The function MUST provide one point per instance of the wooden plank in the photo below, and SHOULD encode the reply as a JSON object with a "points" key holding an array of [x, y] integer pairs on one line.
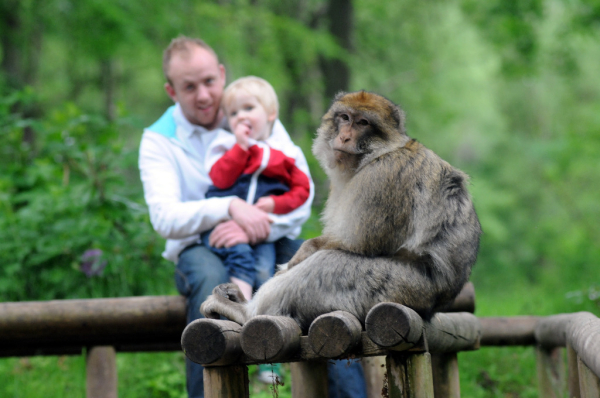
{"points": [[589, 384], [309, 379], [374, 370], [572, 373], [101, 372], [550, 372], [409, 376], [446, 381], [226, 382], [508, 331], [65, 326], [465, 301]]}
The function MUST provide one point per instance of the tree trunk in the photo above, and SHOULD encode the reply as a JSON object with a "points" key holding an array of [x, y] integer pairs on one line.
{"points": [[340, 16]]}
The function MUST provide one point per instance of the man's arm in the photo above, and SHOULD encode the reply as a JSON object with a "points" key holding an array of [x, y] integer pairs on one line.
{"points": [[161, 176]]}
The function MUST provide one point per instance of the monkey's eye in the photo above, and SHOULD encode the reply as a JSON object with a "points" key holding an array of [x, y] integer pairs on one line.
{"points": [[345, 117], [363, 122]]}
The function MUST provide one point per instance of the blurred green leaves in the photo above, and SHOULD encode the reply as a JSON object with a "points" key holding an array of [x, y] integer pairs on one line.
{"points": [[63, 194]]}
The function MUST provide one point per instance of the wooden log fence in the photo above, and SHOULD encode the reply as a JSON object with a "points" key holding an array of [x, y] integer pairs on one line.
{"points": [[391, 329], [424, 358]]}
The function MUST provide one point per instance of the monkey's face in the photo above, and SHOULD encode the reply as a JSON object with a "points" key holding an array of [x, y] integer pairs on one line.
{"points": [[354, 133], [358, 127]]}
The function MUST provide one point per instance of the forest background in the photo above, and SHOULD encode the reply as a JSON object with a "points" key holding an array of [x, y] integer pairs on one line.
{"points": [[507, 90]]}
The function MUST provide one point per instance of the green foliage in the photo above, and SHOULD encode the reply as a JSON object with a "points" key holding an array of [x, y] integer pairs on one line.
{"points": [[508, 91], [64, 193]]}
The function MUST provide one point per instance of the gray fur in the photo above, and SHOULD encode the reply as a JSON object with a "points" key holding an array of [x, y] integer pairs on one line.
{"points": [[399, 226]]}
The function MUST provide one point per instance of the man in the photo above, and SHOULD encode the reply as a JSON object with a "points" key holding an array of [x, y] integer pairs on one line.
{"points": [[175, 179]]}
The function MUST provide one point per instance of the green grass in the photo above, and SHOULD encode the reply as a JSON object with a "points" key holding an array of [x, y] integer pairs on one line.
{"points": [[148, 375]]}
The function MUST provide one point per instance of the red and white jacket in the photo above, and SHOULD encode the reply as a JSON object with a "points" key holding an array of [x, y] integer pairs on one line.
{"points": [[260, 171]]}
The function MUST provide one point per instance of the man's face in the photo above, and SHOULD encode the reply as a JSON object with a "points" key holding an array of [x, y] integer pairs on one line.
{"points": [[197, 85]]}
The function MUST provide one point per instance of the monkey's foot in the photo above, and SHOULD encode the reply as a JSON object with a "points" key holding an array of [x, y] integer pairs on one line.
{"points": [[227, 300], [230, 291]]}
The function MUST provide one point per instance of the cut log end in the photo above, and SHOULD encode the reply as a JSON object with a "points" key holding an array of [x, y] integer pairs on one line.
{"points": [[334, 334], [212, 342], [268, 338], [391, 324]]}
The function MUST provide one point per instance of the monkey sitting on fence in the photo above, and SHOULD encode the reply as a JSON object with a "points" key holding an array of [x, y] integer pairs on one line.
{"points": [[399, 225]]}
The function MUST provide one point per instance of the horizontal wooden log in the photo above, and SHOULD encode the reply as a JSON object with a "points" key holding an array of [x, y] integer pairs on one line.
{"points": [[508, 331], [452, 332], [270, 338], [63, 327], [551, 331], [395, 326], [212, 342], [583, 334], [465, 301], [334, 334], [580, 330]]}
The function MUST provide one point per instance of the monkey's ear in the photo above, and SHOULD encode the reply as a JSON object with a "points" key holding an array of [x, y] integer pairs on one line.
{"points": [[339, 95], [399, 118]]}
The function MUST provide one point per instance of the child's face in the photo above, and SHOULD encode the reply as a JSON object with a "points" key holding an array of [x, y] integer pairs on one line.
{"points": [[247, 111]]}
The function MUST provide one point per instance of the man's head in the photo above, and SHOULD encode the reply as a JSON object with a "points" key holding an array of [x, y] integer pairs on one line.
{"points": [[195, 79], [252, 101]]}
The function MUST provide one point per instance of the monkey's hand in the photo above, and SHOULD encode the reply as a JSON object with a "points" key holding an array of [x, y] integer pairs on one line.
{"points": [[227, 300], [307, 249]]}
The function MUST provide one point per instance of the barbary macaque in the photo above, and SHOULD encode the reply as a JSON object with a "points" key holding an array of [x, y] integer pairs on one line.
{"points": [[399, 225]]}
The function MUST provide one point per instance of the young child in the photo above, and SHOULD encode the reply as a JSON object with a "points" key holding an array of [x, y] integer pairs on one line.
{"points": [[255, 167]]}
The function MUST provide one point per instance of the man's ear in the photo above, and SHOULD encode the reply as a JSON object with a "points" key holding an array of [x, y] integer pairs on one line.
{"points": [[170, 91]]}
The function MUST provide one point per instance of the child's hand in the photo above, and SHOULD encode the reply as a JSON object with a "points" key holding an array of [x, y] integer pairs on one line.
{"points": [[266, 204], [242, 132]]}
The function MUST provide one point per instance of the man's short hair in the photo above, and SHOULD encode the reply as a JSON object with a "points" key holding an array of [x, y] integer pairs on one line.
{"points": [[255, 87], [182, 44]]}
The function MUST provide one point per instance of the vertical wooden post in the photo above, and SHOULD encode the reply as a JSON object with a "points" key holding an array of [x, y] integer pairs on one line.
{"points": [[409, 376], [551, 372], [101, 372], [226, 382], [572, 373], [589, 384], [446, 382], [374, 370], [309, 379]]}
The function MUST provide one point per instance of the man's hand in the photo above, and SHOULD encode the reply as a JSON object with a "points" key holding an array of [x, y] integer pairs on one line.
{"points": [[266, 204], [227, 234], [255, 222]]}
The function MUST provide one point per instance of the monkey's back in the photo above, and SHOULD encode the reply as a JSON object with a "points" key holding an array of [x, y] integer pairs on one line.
{"points": [[411, 205]]}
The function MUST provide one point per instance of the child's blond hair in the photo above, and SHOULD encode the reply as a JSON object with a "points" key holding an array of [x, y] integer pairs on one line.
{"points": [[256, 87]]}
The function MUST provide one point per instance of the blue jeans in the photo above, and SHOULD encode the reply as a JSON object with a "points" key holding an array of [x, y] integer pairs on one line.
{"points": [[252, 264], [199, 270]]}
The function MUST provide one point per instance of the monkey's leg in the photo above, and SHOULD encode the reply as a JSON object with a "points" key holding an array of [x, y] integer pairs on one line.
{"points": [[310, 247]]}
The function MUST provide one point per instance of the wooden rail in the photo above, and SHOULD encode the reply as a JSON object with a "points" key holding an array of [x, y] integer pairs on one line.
{"points": [[103, 327], [578, 333], [225, 348]]}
